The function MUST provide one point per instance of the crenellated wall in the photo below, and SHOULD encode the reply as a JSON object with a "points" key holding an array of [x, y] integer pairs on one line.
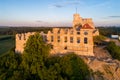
{"points": [[21, 40]]}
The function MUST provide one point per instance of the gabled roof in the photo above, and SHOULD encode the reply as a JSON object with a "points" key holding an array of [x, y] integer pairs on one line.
{"points": [[86, 26]]}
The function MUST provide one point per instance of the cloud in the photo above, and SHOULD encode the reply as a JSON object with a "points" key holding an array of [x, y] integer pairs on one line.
{"points": [[72, 3], [113, 16], [79, 2], [39, 21], [58, 6], [66, 3]]}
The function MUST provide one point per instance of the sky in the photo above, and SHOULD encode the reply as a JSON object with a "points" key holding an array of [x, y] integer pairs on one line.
{"points": [[58, 12]]}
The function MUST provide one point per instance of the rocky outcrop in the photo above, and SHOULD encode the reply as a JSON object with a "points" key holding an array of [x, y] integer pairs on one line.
{"points": [[101, 52], [103, 69]]}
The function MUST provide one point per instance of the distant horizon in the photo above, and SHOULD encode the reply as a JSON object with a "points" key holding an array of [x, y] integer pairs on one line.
{"points": [[58, 13], [56, 26]]}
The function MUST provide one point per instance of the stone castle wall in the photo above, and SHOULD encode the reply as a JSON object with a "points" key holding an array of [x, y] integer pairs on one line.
{"points": [[77, 39], [77, 45], [21, 40]]}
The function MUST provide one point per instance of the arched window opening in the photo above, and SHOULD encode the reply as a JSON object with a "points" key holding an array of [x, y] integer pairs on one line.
{"points": [[85, 40], [66, 31], [71, 39], [24, 37], [58, 38], [19, 36], [78, 39], [65, 39], [51, 38], [78, 33], [65, 48], [58, 31]]}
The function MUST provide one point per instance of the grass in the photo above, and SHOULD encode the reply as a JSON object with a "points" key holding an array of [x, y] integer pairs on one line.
{"points": [[7, 42]]}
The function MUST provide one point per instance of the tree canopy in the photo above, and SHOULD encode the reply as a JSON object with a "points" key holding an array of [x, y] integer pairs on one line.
{"points": [[114, 50], [36, 64]]}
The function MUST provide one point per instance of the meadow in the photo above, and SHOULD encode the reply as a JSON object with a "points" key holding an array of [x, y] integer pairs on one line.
{"points": [[7, 42]]}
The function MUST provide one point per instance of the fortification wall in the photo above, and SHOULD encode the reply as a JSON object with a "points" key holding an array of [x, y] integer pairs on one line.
{"points": [[21, 40], [77, 39], [61, 45]]}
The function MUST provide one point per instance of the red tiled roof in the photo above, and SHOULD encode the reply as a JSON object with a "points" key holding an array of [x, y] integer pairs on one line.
{"points": [[86, 26]]}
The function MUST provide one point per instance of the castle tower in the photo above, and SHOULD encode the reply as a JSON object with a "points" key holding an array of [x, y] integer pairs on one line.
{"points": [[77, 20]]}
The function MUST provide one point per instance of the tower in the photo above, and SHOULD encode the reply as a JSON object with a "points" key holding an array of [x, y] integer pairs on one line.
{"points": [[77, 21]]}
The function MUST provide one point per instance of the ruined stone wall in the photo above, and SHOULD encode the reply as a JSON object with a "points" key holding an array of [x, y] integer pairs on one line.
{"points": [[77, 40], [21, 40], [61, 45]]}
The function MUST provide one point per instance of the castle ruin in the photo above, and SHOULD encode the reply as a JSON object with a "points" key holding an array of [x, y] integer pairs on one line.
{"points": [[77, 39]]}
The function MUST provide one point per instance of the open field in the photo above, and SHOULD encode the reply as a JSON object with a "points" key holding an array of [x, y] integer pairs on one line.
{"points": [[7, 42]]}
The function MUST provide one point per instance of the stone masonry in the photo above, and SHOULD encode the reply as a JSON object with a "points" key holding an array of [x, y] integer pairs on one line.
{"points": [[77, 39]]}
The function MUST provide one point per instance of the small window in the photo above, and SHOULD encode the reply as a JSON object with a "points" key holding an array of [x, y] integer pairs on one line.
{"points": [[71, 39], [78, 39], [78, 28], [58, 31], [51, 38], [65, 39], [85, 40], [58, 38], [51, 46], [19, 36], [85, 33], [78, 33], [65, 48]]}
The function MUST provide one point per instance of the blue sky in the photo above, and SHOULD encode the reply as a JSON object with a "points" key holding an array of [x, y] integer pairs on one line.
{"points": [[58, 12]]}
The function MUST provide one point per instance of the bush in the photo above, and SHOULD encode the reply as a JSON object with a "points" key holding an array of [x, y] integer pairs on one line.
{"points": [[114, 50], [99, 39]]}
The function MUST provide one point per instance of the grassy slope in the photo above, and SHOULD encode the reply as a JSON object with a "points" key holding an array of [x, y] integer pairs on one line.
{"points": [[6, 44]]}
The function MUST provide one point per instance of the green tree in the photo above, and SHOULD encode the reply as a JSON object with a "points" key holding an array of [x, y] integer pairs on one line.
{"points": [[67, 67], [99, 39], [34, 56], [9, 64], [73, 67], [114, 50], [54, 68]]}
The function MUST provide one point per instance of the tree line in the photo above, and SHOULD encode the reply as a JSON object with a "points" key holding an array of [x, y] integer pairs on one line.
{"points": [[14, 30], [106, 31]]}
